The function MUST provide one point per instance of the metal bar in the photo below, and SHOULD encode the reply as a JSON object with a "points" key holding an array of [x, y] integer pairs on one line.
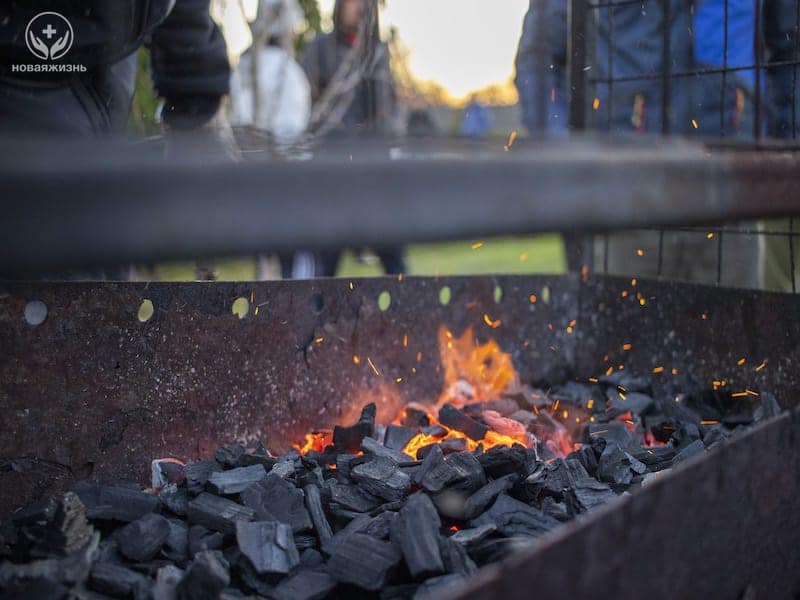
{"points": [[116, 210], [759, 51], [723, 93], [723, 525], [693, 72], [666, 62], [577, 16]]}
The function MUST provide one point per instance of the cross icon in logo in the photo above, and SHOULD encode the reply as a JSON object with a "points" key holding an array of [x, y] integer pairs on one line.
{"points": [[49, 31]]}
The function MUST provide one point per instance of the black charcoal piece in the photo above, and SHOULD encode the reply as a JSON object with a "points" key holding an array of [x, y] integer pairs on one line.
{"points": [[283, 468], [620, 402], [235, 481], [451, 417], [166, 585], [398, 436], [314, 506], [117, 503], [473, 535], [586, 494], [414, 418], [218, 514], [354, 498], [514, 518], [436, 431], [269, 546], [118, 581], [693, 449], [176, 546], [174, 498], [275, 499], [554, 479], [627, 382], [205, 578], [613, 432], [229, 456], [587, 457], [364, 561], [480, 500], [460, 471], [432, 459], [525, 417], [656, 458], [345, 462], [502, 460], [55, 526], [166, 471], [349, 438], [557, 510], [416, 532], [201, 539], [304, 541], [684, 435], [141, 539], [372, 447], [617, 467], [382, 477], [767, 408], [436, 587], [455, 557], [197, 475], [306, 584]]}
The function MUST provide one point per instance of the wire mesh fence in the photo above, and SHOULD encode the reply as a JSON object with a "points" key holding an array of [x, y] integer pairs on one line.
{"points": [[724, 71]]}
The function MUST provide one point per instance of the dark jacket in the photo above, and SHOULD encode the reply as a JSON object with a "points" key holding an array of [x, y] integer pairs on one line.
{"points": [[189, 60], [783, 83], [373, 106], [541, 67]]}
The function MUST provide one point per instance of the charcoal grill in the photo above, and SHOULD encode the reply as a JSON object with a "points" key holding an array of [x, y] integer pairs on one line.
{"points": [[93, 387]]}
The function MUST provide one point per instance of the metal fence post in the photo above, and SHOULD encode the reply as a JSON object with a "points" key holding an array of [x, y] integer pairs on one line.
{"points": [[577, 61]]}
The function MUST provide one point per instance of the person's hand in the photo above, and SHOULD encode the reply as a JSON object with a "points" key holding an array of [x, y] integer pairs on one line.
{"points": [[191, 132]]}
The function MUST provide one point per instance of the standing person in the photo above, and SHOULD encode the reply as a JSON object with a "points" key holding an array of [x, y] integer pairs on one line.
{"points": [[477, 120], [541, 68], [68, 67], [372, 108]]}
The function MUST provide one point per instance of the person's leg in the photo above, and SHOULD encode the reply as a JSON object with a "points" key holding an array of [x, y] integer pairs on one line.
{"points": [[393, 259], [327, 262]]}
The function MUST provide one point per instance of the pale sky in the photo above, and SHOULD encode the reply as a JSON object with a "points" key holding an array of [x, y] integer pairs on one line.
{"points": [[462, 44]]}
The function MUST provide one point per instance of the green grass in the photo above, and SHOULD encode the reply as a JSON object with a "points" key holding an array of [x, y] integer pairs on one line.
{"points": [[540, 254]]}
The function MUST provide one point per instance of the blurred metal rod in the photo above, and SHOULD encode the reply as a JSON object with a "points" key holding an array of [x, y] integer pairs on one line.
{"points": [[91, 213]]}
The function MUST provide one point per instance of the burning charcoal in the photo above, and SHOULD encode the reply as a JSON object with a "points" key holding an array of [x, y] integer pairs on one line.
{"points": [[218, 514], [626, 381], [314, 506], [235, 481], [142, 539], [473, 535], [259, 456], [514, 518], [205, 578], [57, 525], [618, 467], [274, 499], [586, 494], [416, 532], [165, 471], [117, 503], [349, 438], [352, 497], [480, 500], [436, 431], [383, 478], [229, 456], [613, 432], [306, 584], [693, 449], [451, 417], [525, 417], [449, 446], [397, 436], [370, 446], [176, 546], [201, 539], [364, 561], [436, 587], [656, 458], [269, 546], [622, 402], [197, 475], [414, 418], [502, 460], [455, 558], [118, 581], [174, 498], [767, 408], [284, 468], [433, 458]]}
